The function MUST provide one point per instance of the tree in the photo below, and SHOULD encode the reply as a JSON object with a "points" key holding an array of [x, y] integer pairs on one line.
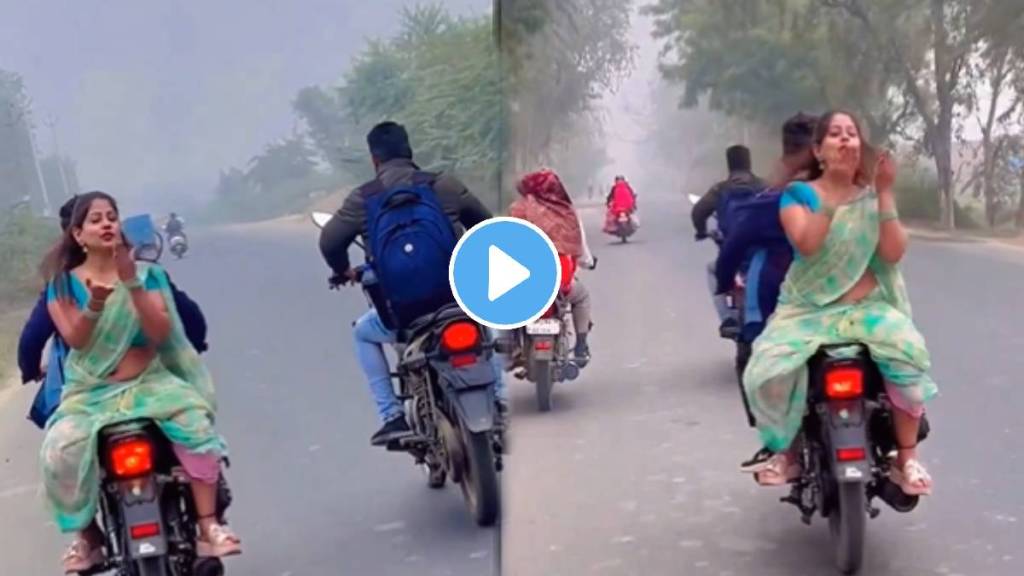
{"points": [[558, 58], [438, 76], [901, 63], [19, 174], [281, 162]]}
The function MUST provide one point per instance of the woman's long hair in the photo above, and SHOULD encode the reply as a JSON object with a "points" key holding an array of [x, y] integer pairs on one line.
{"points": [[66, 254]]}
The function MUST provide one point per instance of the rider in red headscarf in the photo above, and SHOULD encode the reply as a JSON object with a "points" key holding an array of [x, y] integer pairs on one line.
{"points": [[545, 203]]}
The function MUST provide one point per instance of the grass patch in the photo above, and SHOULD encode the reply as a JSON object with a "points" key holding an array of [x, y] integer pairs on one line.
{"points": [[24, 240]]}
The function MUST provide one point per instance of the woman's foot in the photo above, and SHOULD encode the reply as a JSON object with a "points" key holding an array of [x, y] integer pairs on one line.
{"points": [[757, 462], [82, 556], [912, 477], [779, 470], [217, 541]]}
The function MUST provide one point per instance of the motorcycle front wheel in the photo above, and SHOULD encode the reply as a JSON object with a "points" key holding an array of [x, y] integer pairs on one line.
{"points": [[480, 481], [847, 522]]}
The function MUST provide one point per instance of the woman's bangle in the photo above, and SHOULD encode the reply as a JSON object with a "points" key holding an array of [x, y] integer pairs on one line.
{"points": [[887, 215], [132, 284]]}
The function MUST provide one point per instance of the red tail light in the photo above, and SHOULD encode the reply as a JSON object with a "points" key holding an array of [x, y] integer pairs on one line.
{"points": [[850, 454], [463, 360], [844, 383], [132, 458], [543, 345], [143, 531], [460, 336]]}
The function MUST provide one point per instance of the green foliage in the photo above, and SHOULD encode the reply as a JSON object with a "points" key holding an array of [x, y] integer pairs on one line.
{"points": [[438, 76], [24, 240], [915, 192], [18, 177]]}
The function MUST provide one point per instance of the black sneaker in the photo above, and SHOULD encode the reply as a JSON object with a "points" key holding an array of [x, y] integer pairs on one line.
{"points": [[757, 463], [581, 356], [730, 329], [395, 429]]}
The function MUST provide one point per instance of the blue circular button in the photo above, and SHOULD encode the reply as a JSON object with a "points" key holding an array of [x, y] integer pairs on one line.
{"points": [[505, 273]]}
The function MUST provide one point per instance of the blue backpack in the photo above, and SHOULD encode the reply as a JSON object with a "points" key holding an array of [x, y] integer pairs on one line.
{"points": [[727, 202], [411, 240]]}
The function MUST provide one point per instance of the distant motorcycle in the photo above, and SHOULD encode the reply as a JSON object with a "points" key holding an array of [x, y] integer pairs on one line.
{"points": [[447, 382], [178, 244], [847, 450], [621, 224]]}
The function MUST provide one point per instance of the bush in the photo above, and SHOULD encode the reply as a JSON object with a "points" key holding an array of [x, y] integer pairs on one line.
{"points": [[24, 240], [917, 193]]}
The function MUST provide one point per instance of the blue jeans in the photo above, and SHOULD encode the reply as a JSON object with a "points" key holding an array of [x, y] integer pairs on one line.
{"points": [[370, 336], [720, 301]]}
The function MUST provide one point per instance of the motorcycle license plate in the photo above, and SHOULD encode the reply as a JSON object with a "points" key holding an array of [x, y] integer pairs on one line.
{"points": [[544, 327]]}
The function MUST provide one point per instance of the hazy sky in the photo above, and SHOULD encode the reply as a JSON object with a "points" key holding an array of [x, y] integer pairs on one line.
{"points": [[156, 96]]}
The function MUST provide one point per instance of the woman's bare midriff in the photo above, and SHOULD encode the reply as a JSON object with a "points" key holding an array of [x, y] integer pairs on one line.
{"points": [[861, 290], [134, 363]]}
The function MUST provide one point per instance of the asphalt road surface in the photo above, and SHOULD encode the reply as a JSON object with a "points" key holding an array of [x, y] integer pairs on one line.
{"points": [[635, 471], [312, 497]]}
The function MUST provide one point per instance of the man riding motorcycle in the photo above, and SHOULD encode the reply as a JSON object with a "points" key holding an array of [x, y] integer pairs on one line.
{"points": [[757, 247], [742, 182], [175, 226], [392, 158]]}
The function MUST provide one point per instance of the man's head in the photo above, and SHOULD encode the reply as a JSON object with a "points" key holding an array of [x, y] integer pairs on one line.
{"points": [[388, 141], [65, 213], [174, 216], [798, 133], [620, 178], [737, 158]]}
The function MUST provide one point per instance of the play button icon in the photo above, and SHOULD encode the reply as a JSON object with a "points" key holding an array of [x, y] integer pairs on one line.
{"points": [[504, 273]]}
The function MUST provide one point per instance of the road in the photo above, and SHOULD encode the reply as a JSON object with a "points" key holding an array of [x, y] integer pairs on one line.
{"points": [[635, 470], [312, 497]]}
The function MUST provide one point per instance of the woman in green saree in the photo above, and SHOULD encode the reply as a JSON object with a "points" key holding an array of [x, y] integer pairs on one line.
{"points": [[130, 359], [844, 286]]}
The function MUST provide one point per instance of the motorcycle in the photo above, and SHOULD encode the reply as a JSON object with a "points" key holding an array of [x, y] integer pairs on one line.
{"points": [[541, 351], [621, 224], [447, 383], [847, 448], [178, 244], [146, 506]]}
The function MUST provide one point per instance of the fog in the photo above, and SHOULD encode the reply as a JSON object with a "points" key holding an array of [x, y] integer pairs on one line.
{"points": [[152, 99]]}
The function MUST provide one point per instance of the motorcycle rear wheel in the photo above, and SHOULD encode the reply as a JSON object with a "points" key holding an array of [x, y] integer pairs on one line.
{"points": [[480, 481], [543, 380], [847, 522]]}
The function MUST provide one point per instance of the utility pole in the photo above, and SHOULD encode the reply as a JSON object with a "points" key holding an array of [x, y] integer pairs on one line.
{"points": [[39, 171], [51, 121]]}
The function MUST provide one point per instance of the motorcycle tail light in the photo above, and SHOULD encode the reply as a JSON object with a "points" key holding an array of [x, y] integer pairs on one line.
{"points": [[460, 336], [844, 383], [143, 531], [463, 360], [851, 454], [543, 345], [131, 458]]}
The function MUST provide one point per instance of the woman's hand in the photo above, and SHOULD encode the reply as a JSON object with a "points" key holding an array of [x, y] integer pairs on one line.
{"points": [[885, 173], [124, 259], [98, 292]]}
